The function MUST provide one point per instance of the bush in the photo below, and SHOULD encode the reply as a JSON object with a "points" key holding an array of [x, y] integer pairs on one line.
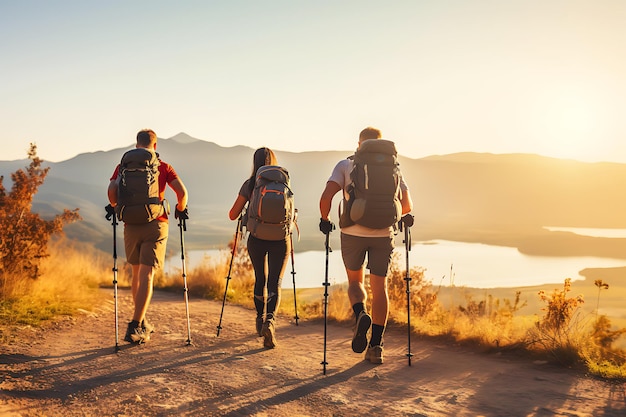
{"points": [[24, 235], [558, 332], [423, 300]]}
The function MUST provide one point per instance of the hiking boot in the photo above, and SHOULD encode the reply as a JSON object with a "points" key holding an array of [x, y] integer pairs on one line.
{"points": [[359, 340], [268, 333], [374, 354], [147, 327], [259, 326], [135, 334]]}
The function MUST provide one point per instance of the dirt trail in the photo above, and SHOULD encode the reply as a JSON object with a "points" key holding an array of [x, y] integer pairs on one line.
{"points": [[71, 369]]}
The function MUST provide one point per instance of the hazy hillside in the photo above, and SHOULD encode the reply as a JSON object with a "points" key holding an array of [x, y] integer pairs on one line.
{"points": [[497, 199]]}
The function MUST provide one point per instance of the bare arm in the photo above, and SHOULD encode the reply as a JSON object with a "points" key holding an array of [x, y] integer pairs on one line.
{"points": [[181, 193], [237, 207], [112, 192], [406, 201], [326, 199]]}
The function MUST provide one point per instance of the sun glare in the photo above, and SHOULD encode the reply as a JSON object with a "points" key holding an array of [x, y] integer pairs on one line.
{"points": [[569, 126]]}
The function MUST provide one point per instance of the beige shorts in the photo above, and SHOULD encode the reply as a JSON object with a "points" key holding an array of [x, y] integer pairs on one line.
{"points": [[145, 244], [378, 251]]}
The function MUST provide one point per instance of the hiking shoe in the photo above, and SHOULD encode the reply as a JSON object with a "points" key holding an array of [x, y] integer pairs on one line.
{"points": [[135, 334], [374, 354], [359, 340], [268, 333], [147, 327], [259, 326], [145, 335]]}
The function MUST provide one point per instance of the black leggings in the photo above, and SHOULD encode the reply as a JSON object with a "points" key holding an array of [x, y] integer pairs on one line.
{"points": [[276, 252]]}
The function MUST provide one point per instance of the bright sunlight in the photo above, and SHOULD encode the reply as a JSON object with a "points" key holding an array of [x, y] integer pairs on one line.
{"points": [[569, 122]]}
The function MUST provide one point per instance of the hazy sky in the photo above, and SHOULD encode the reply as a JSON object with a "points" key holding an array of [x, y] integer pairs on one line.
{"points": [[437, 76]]}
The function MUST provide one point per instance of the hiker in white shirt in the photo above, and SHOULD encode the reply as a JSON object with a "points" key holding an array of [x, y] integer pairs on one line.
{"points": [[357, 241]]}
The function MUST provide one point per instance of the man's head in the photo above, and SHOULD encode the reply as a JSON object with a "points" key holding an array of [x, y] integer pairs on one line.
{"points": [[146, 138], [369, 133]]}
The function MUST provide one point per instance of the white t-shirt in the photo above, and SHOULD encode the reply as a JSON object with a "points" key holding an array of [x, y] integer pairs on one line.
{"points": [[341, 176]]}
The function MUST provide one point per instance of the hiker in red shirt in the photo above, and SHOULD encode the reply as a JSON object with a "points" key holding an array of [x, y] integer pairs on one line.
{"points": [[145, 221]]}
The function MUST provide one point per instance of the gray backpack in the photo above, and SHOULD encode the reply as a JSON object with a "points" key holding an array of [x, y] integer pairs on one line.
{"points": [[138, 199], [374, 194], [271, 208]]}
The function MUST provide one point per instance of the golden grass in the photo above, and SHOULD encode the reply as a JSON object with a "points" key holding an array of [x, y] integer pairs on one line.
{"points": [[494, 319], [490, 319], [210, 278], [70, 278]]}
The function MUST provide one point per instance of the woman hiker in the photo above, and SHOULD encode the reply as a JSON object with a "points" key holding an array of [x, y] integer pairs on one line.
{"points": [[269, 241]]}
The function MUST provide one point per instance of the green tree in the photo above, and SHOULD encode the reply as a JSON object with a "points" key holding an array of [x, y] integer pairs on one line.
{"points": [[24, 235]]}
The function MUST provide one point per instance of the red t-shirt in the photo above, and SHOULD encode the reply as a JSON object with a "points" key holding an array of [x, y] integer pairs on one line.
{"points": [[167, 174]]}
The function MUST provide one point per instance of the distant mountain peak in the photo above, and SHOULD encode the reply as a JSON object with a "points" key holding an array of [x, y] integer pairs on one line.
{"points": [[183, 138]]}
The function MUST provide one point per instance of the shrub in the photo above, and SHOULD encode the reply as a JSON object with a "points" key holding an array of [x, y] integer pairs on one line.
{"points": [[557, 332], [560, 308], [423, 298], [24, 235]]}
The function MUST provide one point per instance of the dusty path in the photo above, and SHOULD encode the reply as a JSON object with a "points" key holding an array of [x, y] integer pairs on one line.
{"points": [[72, 370]]}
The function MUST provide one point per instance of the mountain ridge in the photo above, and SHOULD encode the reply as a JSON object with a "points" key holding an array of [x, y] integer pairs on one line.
{"points": [[502, 199]]}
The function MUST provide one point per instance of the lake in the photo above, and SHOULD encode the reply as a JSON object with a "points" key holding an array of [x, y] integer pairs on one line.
{"points": [[446, 263]]}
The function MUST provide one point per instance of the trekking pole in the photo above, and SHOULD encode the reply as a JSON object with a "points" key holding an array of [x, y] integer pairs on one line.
{"points": [[182, 225], [293, 276], [326, 284], [230, 268], [111, 216], [407, 222]]}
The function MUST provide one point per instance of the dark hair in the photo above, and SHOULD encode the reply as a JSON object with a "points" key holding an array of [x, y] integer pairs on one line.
{"points": [[262, 156], [146, 137]]}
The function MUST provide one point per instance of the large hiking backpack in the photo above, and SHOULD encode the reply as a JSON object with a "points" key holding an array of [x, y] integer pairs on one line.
{"points": [[271, 207], [138, 199], [374, 194]]}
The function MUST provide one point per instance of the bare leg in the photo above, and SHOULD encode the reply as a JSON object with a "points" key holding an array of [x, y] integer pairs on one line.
{"points": [[134, 286], [142, 290], [380, 300], [356, 286]]}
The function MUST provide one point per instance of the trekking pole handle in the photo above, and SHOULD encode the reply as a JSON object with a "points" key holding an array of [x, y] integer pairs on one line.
{"points": [[110, 210], [182, 215], [326, 226], [407, 220]]}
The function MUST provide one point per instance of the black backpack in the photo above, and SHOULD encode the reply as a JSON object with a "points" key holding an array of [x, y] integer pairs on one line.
{"points": [[138, 199], [374, 194], [271, 208]]}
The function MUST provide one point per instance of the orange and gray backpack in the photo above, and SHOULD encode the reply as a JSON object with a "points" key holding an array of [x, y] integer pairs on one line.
{"points": [[374, 194], [138, 199], [271, 208]]}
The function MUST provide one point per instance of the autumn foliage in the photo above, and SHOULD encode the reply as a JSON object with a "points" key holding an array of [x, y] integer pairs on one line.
{"points": [[24, 235]]}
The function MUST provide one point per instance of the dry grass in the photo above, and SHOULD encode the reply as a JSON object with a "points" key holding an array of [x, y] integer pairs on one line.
{"points": [[556, 328], [210, 278], [551, 325], [70, 278]]}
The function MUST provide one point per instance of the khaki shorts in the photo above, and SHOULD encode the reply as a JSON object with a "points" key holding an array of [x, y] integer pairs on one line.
{"points": [[145, 243], [378, 250]]}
